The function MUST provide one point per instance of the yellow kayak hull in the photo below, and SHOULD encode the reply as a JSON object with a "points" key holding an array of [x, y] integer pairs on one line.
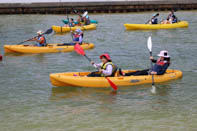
{"points": [[62, 29], [181, 24], [50, 48], [79, 79]]}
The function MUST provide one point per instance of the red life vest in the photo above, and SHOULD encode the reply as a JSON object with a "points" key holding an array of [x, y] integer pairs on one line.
{"points": [[159, 62], [77, 35], [43, 40]]}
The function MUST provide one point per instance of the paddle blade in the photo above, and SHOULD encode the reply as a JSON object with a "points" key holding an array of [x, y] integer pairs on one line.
{"points": [[79, 50], [149, 44], [153, 90], [84, 14], [49, 31], [112, 84]]}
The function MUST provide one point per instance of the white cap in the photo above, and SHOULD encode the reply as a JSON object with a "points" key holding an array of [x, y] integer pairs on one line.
{"points": [[40, 32], [164, 53]]}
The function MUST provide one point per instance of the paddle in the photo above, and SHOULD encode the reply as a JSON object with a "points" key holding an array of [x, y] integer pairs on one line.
{"points": [[84, 14], [69, 24], [49, 31], [80, 51], [149, 44], [152, 18]]}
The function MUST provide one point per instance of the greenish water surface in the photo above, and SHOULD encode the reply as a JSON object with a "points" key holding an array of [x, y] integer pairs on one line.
{"points": [[28, 101]]}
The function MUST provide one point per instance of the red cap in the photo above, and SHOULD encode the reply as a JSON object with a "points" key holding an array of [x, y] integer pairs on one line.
{"points": [[106, 55]]}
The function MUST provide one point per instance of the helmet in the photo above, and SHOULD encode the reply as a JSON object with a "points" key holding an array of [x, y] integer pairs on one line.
{"points": [[106, 56]]}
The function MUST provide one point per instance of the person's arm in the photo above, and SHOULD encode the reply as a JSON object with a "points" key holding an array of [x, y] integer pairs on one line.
{"points": [[96, 65], [80, 39], [41, 40], [108, 70], [152, 59]]}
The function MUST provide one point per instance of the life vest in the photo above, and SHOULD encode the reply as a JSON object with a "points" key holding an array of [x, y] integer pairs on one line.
{"points": [[104, 66], [71, 24], [43, 40], [76, 37], [154, 21], [161, 63]]}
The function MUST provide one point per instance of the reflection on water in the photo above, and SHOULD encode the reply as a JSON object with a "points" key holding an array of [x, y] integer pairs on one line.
{"points": [[30, 102], [59, 93]]}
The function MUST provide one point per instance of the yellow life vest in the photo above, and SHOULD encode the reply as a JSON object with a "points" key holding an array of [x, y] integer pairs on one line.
{"points": [[104, 66]]}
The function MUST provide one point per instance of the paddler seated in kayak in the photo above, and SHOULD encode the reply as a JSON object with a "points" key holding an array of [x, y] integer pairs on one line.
{"points": [[40, 39], [77, 38], [170, 19], [106, 68], [159, 68], [71, 23], [83, 19], [154, 19], [86, 20]]}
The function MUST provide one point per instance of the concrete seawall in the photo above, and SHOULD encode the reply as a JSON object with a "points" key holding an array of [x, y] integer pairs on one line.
{"points": [[97, 7]]}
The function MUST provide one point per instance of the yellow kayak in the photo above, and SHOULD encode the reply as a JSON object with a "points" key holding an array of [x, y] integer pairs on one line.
{"points": [[50, 48], [180, 24], [79, 79], [61, 29]]}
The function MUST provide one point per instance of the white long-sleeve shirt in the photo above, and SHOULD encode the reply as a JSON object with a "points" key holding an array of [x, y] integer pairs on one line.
{"points": [[107, 72]]}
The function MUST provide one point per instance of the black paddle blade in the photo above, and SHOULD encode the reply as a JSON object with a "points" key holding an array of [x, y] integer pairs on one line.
{"points": [[49, 31], [75, 11]]}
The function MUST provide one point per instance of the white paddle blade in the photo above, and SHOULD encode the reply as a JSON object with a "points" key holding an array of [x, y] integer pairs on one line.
{"points": [[84, 14], [149, 43], [153, 90]]}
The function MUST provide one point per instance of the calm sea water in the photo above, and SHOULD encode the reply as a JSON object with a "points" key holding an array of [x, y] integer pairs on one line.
{"points": [[29, 102]]}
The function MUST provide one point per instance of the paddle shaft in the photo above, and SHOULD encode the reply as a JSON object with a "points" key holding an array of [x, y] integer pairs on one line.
{"points": [[152, 69], [69, 24], [87, 58], [46, 32]]}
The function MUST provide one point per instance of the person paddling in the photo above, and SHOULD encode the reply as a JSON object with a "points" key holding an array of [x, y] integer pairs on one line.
{"points": [[78, 36], [40, 39], [86, 19], [106, 68], [154, 19], [83, 19], [170, 19], [160, 67], [71, 23]]}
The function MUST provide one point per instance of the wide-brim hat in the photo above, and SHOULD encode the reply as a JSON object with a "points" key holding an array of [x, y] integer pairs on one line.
{"points": [[106, 56], [163, 53]]}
